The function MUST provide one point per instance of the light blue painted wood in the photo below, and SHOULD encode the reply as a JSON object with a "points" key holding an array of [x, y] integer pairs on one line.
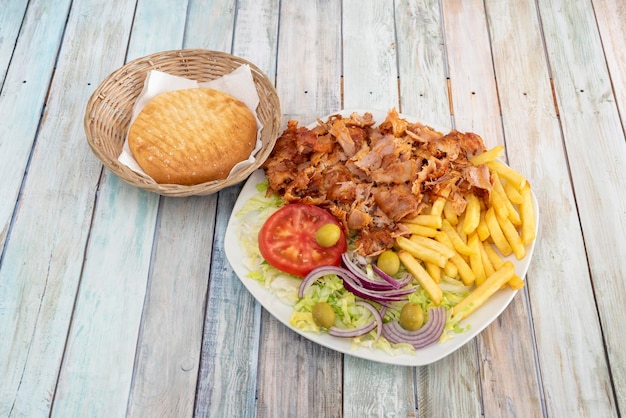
{"points": [[36, 297], [11, 17], [97, 369], [24, 90]]}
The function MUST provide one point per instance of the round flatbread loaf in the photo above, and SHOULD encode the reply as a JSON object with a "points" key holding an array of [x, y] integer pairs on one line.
{"points": [[192, 136]]}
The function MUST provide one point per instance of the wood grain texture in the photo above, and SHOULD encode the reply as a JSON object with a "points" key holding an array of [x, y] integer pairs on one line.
{"points": [[534, 146], [457, 394], [596, 151], [110, 309], [297, 377], [168, 352], [611, 19], [377, 390], [422, 62], [43, 258], [24, 83], [473, 89], [227, 379], [109, 305], [308, 69], [369, 55], [11, 18]]}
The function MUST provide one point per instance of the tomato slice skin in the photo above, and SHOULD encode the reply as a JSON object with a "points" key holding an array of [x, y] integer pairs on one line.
{"points": [[287, 239]]}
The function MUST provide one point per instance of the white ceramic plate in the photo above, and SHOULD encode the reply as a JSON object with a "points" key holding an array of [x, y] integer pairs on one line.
{"points": [[477, 321]]}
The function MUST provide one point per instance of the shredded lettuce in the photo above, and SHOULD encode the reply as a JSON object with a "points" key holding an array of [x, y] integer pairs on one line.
{"points": [[330, 288]]}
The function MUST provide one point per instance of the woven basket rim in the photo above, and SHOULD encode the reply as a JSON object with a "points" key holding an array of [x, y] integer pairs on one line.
{"points": [[107, 112]]}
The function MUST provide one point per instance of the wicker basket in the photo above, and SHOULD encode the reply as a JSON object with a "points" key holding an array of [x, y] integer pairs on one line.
{"points": [[110, 108]]}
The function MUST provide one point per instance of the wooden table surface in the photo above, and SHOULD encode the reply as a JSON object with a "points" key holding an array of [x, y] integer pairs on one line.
{"points": [[117, 302]]}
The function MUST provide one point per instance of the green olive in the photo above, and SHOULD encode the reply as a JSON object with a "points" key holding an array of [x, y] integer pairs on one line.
{"points": [[389, 262], [411, 316], [328, 235], [323, 315]]}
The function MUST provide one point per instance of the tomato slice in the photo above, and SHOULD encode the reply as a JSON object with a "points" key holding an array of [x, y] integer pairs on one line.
{"points": [[287, 239]]}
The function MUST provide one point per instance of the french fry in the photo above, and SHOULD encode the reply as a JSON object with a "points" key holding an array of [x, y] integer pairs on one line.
{"points": [[431, 221], [512, 213], [497, 263], [449, 214], [512, 236], [513, 194], [496, 232], [482, 230], [439, 203], [455, 238], [488, 155], [512, 177], [475, 260], [495, 259], [472, 214], [421, 252], [527, 213], [498, 204], [433, 245], [463, 269], [450, 269], [515, 282], [424, 231], [487, 264], [480, 294], [434, 271], [414, 267]]}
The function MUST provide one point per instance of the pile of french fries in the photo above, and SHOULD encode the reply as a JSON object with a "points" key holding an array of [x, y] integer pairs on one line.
{"points": [[471, 247]]}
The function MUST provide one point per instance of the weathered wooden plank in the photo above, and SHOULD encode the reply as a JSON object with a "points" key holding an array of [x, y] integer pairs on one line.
{"points": [[472, 82], [11, 18], [229, 358], [596, 150], [424, 91], [611, 18], [116, 320], [228, 368], [170, 340], [97, 368], [23, 89], [518, 57], [308, 76], [43, 258], [298, 377], [421, 62], [370, 59]]}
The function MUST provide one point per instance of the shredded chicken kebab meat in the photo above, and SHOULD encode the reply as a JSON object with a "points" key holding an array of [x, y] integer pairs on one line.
{"points": [[371, 178]]}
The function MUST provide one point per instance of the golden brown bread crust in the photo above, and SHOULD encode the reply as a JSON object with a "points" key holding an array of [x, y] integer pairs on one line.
{"points": [[192, 136]]}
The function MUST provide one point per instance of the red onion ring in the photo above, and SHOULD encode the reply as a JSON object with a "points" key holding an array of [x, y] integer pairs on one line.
{"points": [[377, 322], [426, 335], [353, 284]]}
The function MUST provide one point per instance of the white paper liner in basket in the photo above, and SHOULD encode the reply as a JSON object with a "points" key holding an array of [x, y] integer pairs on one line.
{"points": [[238, 83]]}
